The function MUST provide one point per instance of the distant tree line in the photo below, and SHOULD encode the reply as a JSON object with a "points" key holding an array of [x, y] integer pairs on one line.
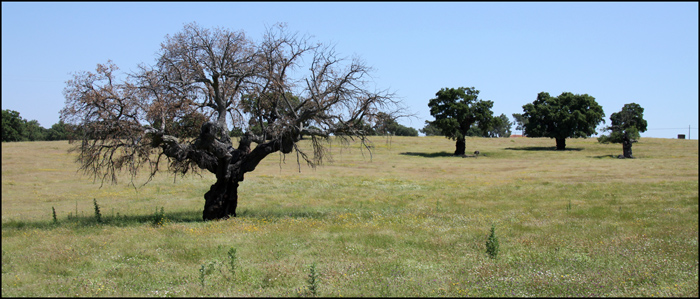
{"points": [[499, 127], [385, 125], [16, 128]]}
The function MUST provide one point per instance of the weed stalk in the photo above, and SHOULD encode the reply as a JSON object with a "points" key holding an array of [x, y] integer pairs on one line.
{"points": [[98, 215], [313, 280], [492, 243], [232, 260], [202, 274]]}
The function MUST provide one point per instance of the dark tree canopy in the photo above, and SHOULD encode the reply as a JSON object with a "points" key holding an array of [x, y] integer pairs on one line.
{"points": [[16, 128], [520, 122], [207, 83], [430, 130], [401, 130], [566, 116], [625, 127], [456, 110], [499, 127], [387, 125], [12, 126], [33, 131]]}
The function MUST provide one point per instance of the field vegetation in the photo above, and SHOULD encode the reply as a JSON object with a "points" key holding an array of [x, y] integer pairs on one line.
{"points": [[408, 219]]}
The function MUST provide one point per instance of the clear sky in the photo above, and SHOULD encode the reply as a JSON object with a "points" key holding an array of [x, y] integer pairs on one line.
{"points": [[619, 53]]}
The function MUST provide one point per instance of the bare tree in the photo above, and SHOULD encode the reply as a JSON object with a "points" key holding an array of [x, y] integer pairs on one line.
{"points": [[205, 80]]}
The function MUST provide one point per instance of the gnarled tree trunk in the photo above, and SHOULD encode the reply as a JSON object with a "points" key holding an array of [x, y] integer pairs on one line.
{"points": [[213, 151], [627, 147], [221, 200], [461, 146]]}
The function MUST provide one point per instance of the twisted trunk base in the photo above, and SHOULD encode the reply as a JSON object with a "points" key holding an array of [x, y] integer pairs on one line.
{"points": [[230, 165], [221, 200], [627, 148]]}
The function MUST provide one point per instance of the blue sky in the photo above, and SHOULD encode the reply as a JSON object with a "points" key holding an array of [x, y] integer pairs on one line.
{"points": [[619, 53]]}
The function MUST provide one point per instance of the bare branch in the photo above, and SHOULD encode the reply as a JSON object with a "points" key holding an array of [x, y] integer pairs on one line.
{"points": [[180, 110]]}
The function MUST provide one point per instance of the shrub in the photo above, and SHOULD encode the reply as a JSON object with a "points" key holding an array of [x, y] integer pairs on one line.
{"points": [[159, 217]]}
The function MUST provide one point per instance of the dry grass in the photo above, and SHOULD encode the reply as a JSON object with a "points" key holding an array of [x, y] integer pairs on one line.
{"points": [[412, 221]]}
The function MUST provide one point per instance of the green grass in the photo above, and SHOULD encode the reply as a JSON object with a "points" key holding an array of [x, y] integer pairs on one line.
{"points": [[412, 221]]}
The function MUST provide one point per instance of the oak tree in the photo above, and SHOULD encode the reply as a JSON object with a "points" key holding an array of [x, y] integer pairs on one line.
{"points": [[566, 116], [456, 110], [206, 83], [625, 127]]}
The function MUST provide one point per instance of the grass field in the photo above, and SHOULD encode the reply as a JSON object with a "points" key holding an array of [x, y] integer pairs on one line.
{"points": [[409, 220]]}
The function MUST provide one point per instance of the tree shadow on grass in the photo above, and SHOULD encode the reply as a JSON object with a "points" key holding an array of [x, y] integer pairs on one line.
{"points": [[429, 155], [126, 220], [117, 220], [604, 157], [120, 220], [542, 148]]}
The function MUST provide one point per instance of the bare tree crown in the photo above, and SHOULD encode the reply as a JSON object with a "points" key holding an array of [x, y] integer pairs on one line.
{"points": [[206, 82]]}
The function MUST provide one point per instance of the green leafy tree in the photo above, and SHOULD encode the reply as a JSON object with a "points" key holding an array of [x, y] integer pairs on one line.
{"points": [[500, 127], [16, 128], [566, 116], [387, 125], [625, 128], [456, 110], [56, 132], [402, 130], [33, 131], [430, 129], [12, 126], [520, 122]]}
